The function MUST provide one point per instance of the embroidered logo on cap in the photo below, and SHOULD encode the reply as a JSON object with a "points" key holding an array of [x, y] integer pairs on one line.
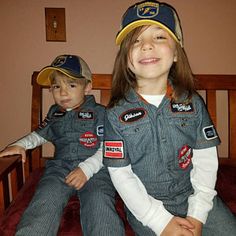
{"points": [[114, 149], [85, 115], [60, 60], [147, 10], [88, 139], [185, 155], [209, 132], [182, 107], [133, 115]]}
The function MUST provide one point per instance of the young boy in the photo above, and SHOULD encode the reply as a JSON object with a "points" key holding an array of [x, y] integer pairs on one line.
{"points": [[74, 124]]}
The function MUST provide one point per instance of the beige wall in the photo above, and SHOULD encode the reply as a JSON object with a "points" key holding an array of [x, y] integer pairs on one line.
{"points": [[209, 32]]}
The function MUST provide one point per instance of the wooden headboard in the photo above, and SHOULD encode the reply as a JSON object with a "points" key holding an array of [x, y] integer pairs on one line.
{"points": [[210, 84]]}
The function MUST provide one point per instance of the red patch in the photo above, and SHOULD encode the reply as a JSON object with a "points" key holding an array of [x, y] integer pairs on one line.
{"points": [[185, 155], [113, 149], [88, 139]]}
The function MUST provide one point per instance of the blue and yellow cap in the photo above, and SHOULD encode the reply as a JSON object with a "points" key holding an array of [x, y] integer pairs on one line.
{"points": [[70, 65], [149, 13]]}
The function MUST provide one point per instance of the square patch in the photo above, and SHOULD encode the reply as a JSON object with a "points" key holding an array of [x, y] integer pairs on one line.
{"points": [[114, 149]]}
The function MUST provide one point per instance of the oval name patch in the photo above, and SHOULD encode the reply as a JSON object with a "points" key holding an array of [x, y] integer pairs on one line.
{"points": [[133, 115]]}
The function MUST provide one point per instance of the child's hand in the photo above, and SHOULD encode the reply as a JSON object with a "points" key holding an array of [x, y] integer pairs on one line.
{"points": [[76, 178], [12, 150], [178, 226], [197, 231]]}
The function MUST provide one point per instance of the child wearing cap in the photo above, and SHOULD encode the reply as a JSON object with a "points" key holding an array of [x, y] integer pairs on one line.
{"points": [[74, 124], [160, 145]]}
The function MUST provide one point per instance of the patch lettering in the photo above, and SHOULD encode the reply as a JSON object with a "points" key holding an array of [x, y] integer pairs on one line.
{"points": [[182, 107], [88, 139], [85, 115], [114, 149], [59, 113], [133, 115], [185, 156], [209, 132]]}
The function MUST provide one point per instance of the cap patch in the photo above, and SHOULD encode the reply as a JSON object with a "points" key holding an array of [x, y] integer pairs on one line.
{"points": [[182, 107], [209, 132], [184, 157], [147, 10], [114, 149], [100, 130], [133, 115], [88, 139], [59, 61], [85, 115]]}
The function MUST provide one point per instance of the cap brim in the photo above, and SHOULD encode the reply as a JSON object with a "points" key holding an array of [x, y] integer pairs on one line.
{"points": [[43, 77], [121, 35]]}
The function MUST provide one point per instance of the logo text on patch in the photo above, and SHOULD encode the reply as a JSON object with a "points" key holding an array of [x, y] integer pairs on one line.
{"points": [[133, 115], [181, 107], [85, 115], [114, 149]]}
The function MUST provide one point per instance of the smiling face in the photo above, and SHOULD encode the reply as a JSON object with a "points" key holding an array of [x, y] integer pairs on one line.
{"points": [[69, 93], [152, 54]]}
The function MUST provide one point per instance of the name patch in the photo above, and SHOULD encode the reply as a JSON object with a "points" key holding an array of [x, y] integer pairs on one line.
{"points": [[85, 115], [133, 115], [182, 107], [59, 113], [88, 139], [114, 149], [209, 132], [185, 155]]}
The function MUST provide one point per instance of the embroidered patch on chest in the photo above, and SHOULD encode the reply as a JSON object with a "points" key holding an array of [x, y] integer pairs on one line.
{"points": [[88, 139], [181, 107], [114, 149], [58, 114], [133, 115], [184, 157], [85, 115], [209, 132]]}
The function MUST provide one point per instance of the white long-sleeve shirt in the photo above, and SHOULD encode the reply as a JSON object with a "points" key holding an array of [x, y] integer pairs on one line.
{"points": [[90, 166]]}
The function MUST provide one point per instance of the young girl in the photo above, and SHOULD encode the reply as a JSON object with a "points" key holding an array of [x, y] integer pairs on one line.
{"points": [[160, 143]]}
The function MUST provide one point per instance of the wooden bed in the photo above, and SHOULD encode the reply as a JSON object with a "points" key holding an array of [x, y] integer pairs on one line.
{"points": [[17, 181]]}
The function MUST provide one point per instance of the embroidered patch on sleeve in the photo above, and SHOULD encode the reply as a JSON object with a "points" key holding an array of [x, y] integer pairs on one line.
{"points": [[209, 132], [100, 130], [114, 149]]}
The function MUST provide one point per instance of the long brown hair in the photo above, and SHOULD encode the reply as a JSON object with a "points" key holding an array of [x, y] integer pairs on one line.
{"points": [[123, 80]]}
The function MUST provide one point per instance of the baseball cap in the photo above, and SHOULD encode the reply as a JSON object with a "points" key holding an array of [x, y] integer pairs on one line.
{"points": [[149, 13], [71, 65]]}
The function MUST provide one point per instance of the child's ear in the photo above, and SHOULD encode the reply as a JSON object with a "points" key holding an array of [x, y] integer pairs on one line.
{"points": [[88, 88], [175, 56]]}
